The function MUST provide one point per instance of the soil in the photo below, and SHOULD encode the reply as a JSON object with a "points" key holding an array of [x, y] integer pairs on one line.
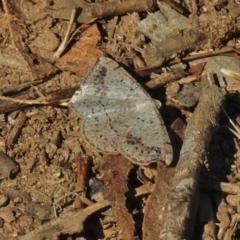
{"points": [[50, 174]]}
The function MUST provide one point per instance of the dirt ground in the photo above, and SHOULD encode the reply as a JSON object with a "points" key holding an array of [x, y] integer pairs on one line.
{"points": [[53, 184]]}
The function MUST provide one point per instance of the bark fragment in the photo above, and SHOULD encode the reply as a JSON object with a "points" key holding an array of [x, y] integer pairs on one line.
{"points": [[14, 133], [151, 223], [116, 170]]}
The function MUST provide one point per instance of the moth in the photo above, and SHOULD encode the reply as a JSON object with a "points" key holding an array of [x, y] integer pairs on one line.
{"points": [[119, 116]]}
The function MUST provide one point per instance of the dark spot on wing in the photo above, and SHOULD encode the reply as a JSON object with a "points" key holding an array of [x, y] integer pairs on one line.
{"points": [[131, 142], [103, 71]]}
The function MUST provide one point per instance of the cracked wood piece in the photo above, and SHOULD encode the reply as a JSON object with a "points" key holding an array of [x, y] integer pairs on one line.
{"points": [[115, 170], [14, 133], [181, 200], [82, 167], [152, 219]]}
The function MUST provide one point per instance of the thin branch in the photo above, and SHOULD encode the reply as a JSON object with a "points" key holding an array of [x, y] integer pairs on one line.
{"points": [[181, 201], [34, 102], [65, 41]]}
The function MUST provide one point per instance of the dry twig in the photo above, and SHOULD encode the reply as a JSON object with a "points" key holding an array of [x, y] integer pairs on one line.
{"points": [[180, 203], [65, 41], [14, 133], [114, 8]]}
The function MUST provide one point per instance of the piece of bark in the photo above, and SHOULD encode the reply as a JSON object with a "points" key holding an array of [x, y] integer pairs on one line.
{"points": [[8, 166], [82, 167], [151, 223], [14, 133], [197, 69], [180, 208], [83, 53], [115, 170], [178, 126]]}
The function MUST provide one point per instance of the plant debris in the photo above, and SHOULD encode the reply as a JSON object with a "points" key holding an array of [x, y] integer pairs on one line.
{"points": [[55, 185]]}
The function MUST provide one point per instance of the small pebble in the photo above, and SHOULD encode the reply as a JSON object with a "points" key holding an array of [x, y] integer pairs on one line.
{"points": [[3, 200]]}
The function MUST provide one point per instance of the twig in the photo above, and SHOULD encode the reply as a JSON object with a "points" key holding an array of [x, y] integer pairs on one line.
{"points": [[210, 54], [114, 8], [204, 55], [136, 48], [82, 166], [236, 132], [65, 41], [179, 207], [165, 78], [34, 102], [230, 73], [148, 70], [14, 133], [21, 86], [113, 29], [22, 99]]}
